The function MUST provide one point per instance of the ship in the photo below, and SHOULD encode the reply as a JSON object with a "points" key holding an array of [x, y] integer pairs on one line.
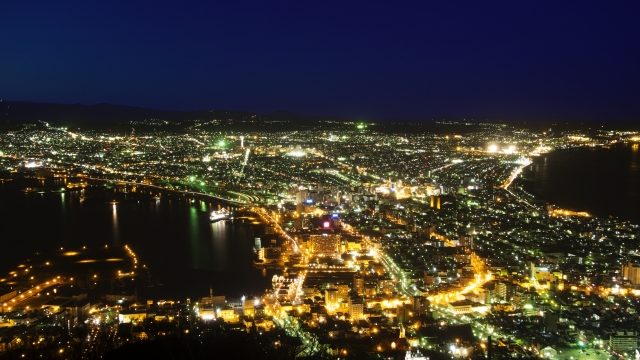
{"points": [[222, 214]]}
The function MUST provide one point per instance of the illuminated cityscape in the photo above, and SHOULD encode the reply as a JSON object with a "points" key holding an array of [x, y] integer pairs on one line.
{"points": [[319, 180], [382, 244]]}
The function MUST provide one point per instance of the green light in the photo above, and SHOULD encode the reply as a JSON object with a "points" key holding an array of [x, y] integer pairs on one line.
{"points": [[361, 126], [201, 183], [221, 143], [192, 178]]}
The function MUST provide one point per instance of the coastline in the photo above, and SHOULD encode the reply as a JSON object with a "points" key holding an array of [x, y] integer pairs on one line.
{"points": [[196, 245], [583, 183]]}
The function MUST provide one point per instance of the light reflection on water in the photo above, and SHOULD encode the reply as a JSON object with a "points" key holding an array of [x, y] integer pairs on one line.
{"points": [[174, 237], [219, 241], [114, 226]]}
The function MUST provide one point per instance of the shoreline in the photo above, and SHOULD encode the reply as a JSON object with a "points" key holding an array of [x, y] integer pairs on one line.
{"points": [[530, 182], [164, 284]]}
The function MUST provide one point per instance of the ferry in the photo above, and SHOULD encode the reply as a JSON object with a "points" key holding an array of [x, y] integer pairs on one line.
{"points": [[222, 214]]}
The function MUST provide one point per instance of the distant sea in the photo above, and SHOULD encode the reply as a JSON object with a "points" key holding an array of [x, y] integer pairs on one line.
{"points": [[601, 181]]}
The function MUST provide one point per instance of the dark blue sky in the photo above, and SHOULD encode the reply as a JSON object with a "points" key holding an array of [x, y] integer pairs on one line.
{"points": [[371, 59]]}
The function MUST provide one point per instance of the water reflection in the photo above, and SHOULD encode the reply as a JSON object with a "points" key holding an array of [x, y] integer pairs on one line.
{"points": [[194, 239], [201, 252], [186, 253], [63, 212], [219, 241], [633, 164], [115, 232], [634, 168]]}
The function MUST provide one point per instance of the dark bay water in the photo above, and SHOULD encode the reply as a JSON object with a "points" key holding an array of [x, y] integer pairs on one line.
{"points": [[184, 251], [602, 181]]}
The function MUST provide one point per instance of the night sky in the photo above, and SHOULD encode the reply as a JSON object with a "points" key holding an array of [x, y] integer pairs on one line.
{"points": [[372, 60]]}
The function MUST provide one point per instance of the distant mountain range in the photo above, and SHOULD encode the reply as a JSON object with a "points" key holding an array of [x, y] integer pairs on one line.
{"points": [[77, 114], [14, 113]]}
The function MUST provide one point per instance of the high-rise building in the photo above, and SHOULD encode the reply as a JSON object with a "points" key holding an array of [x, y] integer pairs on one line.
{"points": [[550, 321], [358, 284], [466, 241], [331, 298], [356, 308], [343, 292], [631, 272], [326, 244], [248, 307], [623, 341], [420, 305], [405, 313], [501, 291]]}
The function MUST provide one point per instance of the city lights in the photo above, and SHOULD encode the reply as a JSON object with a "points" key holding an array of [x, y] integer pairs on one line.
{"points": [[365, 235]]}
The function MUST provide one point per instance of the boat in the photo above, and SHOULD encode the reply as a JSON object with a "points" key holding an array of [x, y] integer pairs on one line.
{"points": [[222, 214]]}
